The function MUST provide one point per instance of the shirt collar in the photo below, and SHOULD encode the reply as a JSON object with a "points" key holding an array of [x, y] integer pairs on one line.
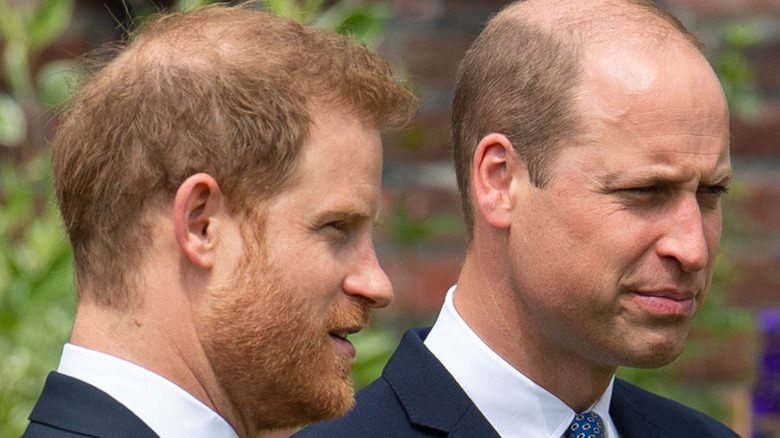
{"points": [[513, 404], [166, 408]]}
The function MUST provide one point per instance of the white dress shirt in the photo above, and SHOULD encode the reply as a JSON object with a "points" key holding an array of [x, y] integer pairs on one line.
{"points": [[513, 404], [169, 410]]}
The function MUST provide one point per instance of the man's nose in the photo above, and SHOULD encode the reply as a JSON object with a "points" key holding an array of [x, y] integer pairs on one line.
{"points": [[369, 281], [685, 237]]}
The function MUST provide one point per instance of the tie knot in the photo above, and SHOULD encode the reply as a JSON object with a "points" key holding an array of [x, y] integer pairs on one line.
{"points": [[585, 425]]}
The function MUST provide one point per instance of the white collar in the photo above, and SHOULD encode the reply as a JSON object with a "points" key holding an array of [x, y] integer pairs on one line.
{"points": [[169, 410], [513, 404]]}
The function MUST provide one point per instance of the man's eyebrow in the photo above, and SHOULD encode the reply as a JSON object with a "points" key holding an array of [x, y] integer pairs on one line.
{"points": [[350, 214], [721, 176], [639, 177]]}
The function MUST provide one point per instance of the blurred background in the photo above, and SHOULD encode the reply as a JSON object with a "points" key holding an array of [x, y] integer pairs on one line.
{"points": [[730, 367]]}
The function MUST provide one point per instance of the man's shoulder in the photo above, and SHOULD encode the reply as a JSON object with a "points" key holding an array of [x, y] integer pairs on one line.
{"points": [[635, 410], [69, 408]]}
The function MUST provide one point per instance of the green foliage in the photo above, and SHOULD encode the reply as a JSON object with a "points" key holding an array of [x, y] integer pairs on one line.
{"points": [[26, 28], [364, 20], [48, 21], [13, 122], [36, 294], [56, 79], [408, 230], [188, 5], [735, 71], [301, 11], [374, 347]]}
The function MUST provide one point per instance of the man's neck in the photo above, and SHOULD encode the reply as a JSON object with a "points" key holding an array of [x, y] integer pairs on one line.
{"points": [[490, 309], [168, 347]]}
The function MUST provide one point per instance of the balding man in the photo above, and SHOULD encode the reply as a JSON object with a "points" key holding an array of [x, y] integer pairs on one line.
{"points": [[218, 181], [592, 151]]}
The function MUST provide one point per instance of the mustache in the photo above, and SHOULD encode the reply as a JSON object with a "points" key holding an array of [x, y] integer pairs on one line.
{"points": [[352, 314]]}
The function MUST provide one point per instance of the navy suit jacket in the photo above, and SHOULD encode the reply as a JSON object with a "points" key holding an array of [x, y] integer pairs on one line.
{"points": [[70, 408], [417, 397]]}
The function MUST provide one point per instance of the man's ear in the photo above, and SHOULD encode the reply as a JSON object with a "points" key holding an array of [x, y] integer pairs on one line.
{"points": [[198, 201], [495, 166]]}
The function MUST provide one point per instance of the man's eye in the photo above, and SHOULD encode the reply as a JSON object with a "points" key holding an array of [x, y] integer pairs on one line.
{"points": [[644, 197], [710, 196], [645, 190], [340, 226], [715, 190]]}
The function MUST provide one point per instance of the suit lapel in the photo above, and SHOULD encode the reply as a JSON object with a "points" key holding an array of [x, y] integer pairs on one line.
{"points": [[70, 404], [630, 419], [429, 394]]}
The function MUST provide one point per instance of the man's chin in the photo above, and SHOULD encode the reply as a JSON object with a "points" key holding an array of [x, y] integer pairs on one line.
{"points": [[342, 399], [655, 356], [339, 410], [329, 400]]}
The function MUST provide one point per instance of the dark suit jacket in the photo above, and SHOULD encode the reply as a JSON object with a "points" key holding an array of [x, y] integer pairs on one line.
{"points": [[417, 397], [70, 408]]}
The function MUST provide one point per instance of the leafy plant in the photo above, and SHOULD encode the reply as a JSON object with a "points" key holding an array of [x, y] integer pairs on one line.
{"points": [[36, 294], [365, 20], [735, 71]]}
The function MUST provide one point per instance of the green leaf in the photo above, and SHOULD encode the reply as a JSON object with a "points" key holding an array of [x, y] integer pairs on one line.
{"points": [[188, 5], [365, 21], [283, 8], [56, 81], [312, 8], [13, 122], [374, 347], [740, 34], [50, 20], [10, 20]]}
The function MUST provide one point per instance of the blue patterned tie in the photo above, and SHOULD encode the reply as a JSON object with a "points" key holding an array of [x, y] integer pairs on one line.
{"points": [[585, 425]]}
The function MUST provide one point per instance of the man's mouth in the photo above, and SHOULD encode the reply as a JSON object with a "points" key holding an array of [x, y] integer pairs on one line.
{"points": [[340, 338], [667, 302], [342, 334]]}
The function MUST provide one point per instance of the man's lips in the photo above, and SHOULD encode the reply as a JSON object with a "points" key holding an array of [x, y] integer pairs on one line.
{"points": [[339, 336], [666, 302]]}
